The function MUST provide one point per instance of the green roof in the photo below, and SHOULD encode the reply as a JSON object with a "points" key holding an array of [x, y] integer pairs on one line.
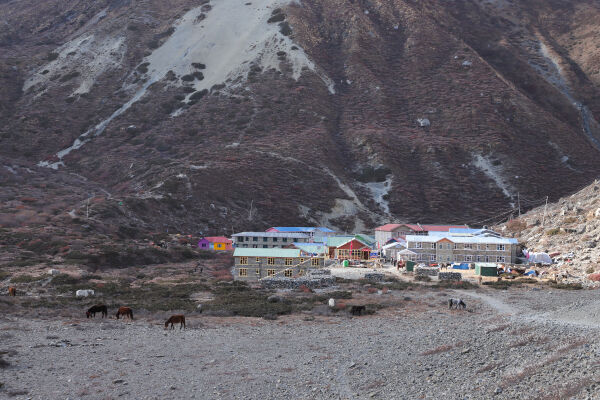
{"points": [[272, 252], [336, 241]]}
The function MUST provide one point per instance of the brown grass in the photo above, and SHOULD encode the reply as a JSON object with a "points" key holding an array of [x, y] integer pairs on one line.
{"points": [[442, 349]]}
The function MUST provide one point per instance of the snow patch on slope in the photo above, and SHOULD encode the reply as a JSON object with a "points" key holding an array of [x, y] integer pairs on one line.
{"points": [[495, 174], [90, 55], [228, 41], [379, 190]]}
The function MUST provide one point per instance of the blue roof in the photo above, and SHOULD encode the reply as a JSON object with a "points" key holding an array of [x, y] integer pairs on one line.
{"points": [[301, 229]]}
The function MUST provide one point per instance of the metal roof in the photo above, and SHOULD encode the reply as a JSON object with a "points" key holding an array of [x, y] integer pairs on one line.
{"points": [[302, 229], [273, 252], [461, 239], [313, 248], [419, 227], [273, 234]]}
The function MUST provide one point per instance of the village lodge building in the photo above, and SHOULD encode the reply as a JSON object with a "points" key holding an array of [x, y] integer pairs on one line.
{"points": [[450, 248], [256, 263]]}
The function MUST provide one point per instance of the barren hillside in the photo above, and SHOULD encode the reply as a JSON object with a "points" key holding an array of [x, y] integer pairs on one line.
{"points": [[221, 115]]}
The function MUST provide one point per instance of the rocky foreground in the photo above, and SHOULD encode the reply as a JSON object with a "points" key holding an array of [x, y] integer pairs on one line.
{"points": [[519, 343]]}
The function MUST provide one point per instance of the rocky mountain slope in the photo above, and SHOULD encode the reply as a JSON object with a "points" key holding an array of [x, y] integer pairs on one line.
{"points": [[214, 116], [568, 229]]}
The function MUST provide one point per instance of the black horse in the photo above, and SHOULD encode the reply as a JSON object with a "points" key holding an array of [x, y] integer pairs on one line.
{"points": [[97, 308]]}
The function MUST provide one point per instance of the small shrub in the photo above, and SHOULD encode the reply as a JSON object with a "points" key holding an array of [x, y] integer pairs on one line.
{"points": [[516, 225], [455, 285], [27, 278], [422, 278], [566, 286], [593, 277], [553, 232]]}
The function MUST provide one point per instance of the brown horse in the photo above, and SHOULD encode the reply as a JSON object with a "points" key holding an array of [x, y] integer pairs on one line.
{"points": [[101, 308], [125, 311], [176, 319], [12, 291]]}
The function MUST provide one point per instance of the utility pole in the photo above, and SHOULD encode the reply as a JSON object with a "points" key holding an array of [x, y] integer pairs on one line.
{"points": [[544, 217]]}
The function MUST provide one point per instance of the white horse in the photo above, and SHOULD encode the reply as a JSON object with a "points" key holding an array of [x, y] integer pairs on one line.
{"points": [[456, 303]]}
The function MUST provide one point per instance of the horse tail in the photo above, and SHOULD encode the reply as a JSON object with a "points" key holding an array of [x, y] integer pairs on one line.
{"points": [[131, 314]]}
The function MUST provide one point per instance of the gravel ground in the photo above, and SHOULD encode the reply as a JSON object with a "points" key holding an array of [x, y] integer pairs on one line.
{"points": [[507, 345]]}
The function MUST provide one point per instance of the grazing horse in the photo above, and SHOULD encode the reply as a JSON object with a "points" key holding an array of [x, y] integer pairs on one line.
{"points": [[97, 308], [125, 311], [12, 291], [456, 303], [176, 319], [357, 310]]}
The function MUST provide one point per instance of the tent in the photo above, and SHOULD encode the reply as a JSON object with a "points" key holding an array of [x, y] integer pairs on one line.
{"points": [[460, 266], [407, 255], [539, 258]]}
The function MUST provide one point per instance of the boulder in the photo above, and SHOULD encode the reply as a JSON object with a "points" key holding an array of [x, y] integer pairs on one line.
{"points": [[84, 293], [53, 272], [332, 303]]}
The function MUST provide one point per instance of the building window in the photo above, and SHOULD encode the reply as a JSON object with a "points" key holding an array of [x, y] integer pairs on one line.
{"points": [[355, 253], [487, 258], [482, 247], [418, 245], [270, 272], [271, 261], [274, 239], [433, 245], [468, 246], [245, 245], [287, 273], [289, 261], [265, 246], [255, 239], [314, 262], [265, 239], [254, 246], [449, 246], [243, 260], [284, 239], [500, 259], [468, 258], [257, 259], [301, 260], [479, 258], [501, 247], [455, 246], [243, 271], [433, 257], [257, 270]]}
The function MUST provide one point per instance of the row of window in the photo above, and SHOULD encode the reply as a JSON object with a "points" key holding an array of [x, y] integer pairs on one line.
{"points": [[264, 239], [455, 246], [270, 272], [460, 258], [271, 261]]}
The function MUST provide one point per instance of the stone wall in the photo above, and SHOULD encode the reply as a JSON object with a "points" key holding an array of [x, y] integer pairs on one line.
{"points": [[450, 276], [291, 283], [375, 277], [426, 271]]}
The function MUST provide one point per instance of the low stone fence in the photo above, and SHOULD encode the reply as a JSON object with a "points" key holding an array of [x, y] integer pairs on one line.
{"points": [[375, 277], [450, 276], [294, 283], [426, 271], [317, 273]]}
